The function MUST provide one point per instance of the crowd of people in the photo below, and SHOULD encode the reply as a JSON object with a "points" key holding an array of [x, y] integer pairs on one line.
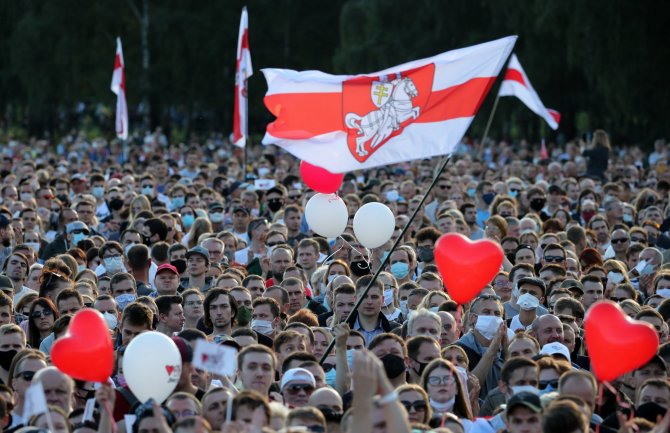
{"points": [[184, 240]]}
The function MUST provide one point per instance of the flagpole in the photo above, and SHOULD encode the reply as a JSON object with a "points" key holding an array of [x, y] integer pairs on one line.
{"points": [[386, 259], [488, 124]]}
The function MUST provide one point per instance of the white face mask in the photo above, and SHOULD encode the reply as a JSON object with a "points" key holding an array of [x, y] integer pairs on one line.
{"points": [[34, 245], [443, 407], [216, 217], [527, 302], [403, 306], [515, 291], [113, 264], [111, 319], [526, 388], [332, 277], [434, 309], [262, 326], [148, 191], [488, 326], [388, 297], [663, 292]]}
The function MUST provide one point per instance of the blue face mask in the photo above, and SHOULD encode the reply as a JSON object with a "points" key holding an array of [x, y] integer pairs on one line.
{"points": [[400, 270], [177, 202], [124, 300], [513, 194], [350, 358], [547, 390], [326, 304], [77, 237], [330, 377], [472, 192], [187, 220]]}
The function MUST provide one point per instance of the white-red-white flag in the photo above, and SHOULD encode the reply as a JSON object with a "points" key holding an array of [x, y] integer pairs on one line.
{"points": [[415, 110], [242, 72], [119, 88], [516, 83]]}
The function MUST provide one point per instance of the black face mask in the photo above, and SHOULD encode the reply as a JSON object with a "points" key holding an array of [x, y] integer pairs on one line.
{"points": [[180, 265], [394, 365], [146, 240], [275, 204], [537, 204], [360, 268], [115, 204], [64, 198], [6, 357], [422, 367], [425, 254]]}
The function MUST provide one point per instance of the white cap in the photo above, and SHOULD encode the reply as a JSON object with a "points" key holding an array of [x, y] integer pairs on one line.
{"points": [[556, 348], [297, 375]]}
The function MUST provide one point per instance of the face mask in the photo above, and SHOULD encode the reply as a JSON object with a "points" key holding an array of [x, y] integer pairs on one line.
{"points": [[26, 196], [663, 292], [443, 407], [111, 320], [319, 298], [425, 254], [350, 358], [525, 388], [330, 377], [388, 297], [187, 220], [115, 204], [177, 202], [527, 302], [180, 265], [127, 248], [651, 240], [472, 192], [360, 268], [120, 380], [148, 191], [422, 367], [403, 307], [274, 205], [513, 194], [434, 309], [113, 264], [399, 270], [243, 316], [588, 214], [81, 268], [627, 218], [537, 204], [488, 326], [332, 416], [63, 197], [124, 300], [488, 197], [35, 246], [262, 326], [326, 304], [394, 365], [331, 278], [216, 217], [6, 358], [98, 191], [77, 237], [146, 240], [547, 390], [263, 171]]}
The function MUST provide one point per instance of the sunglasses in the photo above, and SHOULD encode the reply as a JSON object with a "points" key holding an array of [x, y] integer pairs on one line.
{"points": [[619, 241], [444, 186], [294, 196], [554, 259], [545, 383], [327, 367], [418, 405], [639, 240], [25, 375], [294, 389], [40, 314]]}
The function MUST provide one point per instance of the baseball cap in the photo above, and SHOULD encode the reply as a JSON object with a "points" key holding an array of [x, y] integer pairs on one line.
{"points": [[6, 283], [198, 250], [4, 221], [184, 349], [297, 375], [78, 176], [572, 284], [75, 226], [241, 209], [533, 281], [215, 205], [556, 189], [555, 348], [167, 267], [525, 399]]}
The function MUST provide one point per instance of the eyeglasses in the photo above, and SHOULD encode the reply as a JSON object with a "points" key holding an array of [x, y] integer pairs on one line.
{"points": [[316, 428], [554, 259], [639, 240], [25, 375], [294, 196], [389, 286], [272, 244], [294, 389], [545, 383], [184, 413], [193, 303], [515, 190], [437, 380], [619, 240], [40, 314], [417, 405]]}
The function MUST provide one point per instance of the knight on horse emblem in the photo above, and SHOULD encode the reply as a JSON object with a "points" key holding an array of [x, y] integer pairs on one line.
{"points": [[394, 106]]}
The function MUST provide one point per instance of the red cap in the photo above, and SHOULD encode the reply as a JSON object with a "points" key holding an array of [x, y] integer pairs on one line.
{"points": [[168, 267]]}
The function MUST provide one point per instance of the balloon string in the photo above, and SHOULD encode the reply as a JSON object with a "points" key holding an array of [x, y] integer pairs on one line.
{"points": [[108, 409], [599, 402]]}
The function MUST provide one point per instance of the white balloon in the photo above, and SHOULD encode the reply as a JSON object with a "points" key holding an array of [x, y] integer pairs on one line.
{"points": [[374, 224], [152, 366], [327, 215]]}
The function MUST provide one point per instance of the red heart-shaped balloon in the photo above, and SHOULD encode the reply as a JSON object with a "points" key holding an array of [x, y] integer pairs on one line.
{"points": [[466, 266], [85, 352], [616, 343]]}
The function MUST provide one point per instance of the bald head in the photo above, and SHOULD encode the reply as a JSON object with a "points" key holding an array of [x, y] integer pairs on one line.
{"points": [[326, 398], [58, 387], [548, 329]]}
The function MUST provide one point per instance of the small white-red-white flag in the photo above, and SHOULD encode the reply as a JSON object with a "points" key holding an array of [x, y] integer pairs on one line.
{"points": [[415, 110], [516, 83], [242, 72], [119, 89]]}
